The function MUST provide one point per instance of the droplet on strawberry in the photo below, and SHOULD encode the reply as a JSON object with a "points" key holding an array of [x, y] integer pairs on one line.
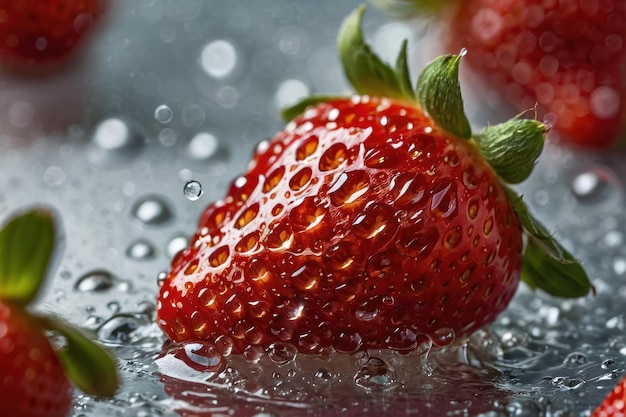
{"points": [[35, 375], [372, 221]]}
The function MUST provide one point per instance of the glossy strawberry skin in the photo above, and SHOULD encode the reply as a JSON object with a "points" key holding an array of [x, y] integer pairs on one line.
{"points": [[567, 56], [44, 31], [32, 382], [614, 404], [361, 225]]}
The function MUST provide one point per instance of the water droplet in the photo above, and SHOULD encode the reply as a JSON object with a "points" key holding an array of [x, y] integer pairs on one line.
{"points": [[218, 58], [567, 383], [596, 184], [141, 249], [54, 176], [160, 278], [575, 359], [281, 353], [95, 281], [192, 190], [203, 145], [375, 375], [114, 141], [175, 245], [290, 92], [163, 114], [118, 330], [152, 210]]}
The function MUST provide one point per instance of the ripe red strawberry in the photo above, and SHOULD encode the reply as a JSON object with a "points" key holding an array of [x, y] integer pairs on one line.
{"points": [[368, 223], [35, 32], [614, 405], [34, 376], [567, 56]]}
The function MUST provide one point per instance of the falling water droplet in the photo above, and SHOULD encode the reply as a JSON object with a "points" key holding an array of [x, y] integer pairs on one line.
{"points": [[152, 210], [141, 249], [95, 281], [163, 114], [161, 276], [375, 375], [192, 190]]}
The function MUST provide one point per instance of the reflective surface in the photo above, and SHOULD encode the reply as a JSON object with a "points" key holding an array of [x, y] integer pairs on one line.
{"points": [[130, 144]]}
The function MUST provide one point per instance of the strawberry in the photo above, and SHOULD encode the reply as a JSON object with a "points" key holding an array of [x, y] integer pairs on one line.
{"points": [[34, 375], [614, 404], [373, 221], [567, 56], [35, 32]]}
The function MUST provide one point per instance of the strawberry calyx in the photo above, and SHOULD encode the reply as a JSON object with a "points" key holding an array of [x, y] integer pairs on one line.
{"points": [[511, 148], [27, 244]]}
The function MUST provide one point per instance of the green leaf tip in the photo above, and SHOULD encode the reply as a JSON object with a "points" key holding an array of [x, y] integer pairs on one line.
{"points": [[26, 247], [512, 147], [439, 92], [547, 264], [291, 112], [410, 8], [367, 73], [90, 368]]}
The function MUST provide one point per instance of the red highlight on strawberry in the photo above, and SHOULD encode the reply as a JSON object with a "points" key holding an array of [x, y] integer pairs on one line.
{"points": [[377, 221]]}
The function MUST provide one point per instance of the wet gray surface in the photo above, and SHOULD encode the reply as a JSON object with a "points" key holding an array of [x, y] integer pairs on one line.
{"points": [[174, 91]]}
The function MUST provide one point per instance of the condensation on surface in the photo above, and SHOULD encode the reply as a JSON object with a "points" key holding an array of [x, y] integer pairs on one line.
{"points": [[172, 92]]}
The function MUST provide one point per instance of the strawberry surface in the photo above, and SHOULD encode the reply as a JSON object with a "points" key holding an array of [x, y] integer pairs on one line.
{"points": [[44, 31], [32, 381], [567, 56], [360, 225], [614, 405], [377, 221]]}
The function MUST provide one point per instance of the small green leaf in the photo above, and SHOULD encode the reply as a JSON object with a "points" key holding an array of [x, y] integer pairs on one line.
{"points": [[26, 246], [87, 365], [292, 112], [547, 264], [367, 73], [512, 147], [409, 8], [439, 92]]}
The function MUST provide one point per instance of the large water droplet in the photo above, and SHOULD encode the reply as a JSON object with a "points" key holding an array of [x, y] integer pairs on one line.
{"points": [[375, 375], [176, 244], [596, 184], [281, 353], [218, 58], [152, 210], [119, 329], [95, 281], [192, 190], [114, 141], [203, 145], [141, 249]]}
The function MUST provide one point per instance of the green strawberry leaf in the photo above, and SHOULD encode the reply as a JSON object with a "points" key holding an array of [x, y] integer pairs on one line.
{"points": [[409, 8], [512, 147], [547, 264], [87, 365], [367, 73], [439, 91], [26, 246]]}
